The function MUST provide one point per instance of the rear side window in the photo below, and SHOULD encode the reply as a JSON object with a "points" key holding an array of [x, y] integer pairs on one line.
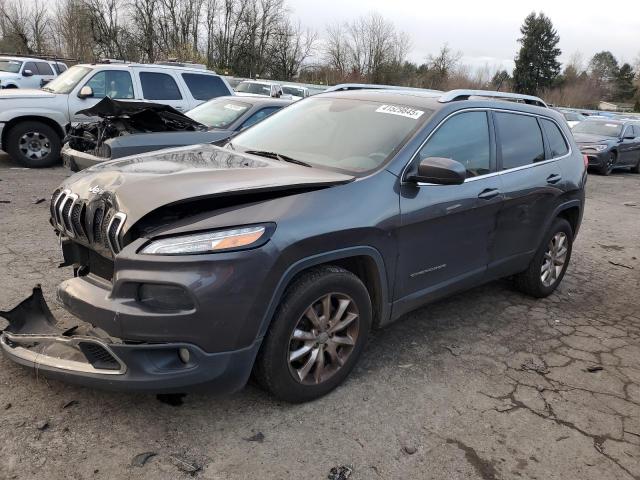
{"points": [[520, 140], [636, 130], [44, 68], [159, 86], [557, 143], [205, 87], [465, 138]]}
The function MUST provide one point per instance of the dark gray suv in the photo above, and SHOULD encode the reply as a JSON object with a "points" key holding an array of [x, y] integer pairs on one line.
{"points": [[278, 253]]}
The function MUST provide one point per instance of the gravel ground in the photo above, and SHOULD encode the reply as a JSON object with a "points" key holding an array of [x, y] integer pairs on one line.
{"points": [[488, 384]]}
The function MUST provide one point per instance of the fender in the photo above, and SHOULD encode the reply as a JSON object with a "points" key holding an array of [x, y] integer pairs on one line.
{"points": [[559, 209], [320, 259]]}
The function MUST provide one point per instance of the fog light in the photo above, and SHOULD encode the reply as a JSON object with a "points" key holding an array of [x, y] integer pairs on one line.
{"points": [[184, 355], [164, 297]]}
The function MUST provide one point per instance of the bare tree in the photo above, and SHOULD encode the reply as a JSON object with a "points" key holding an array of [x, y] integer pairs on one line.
{"points": [[291, 46]]}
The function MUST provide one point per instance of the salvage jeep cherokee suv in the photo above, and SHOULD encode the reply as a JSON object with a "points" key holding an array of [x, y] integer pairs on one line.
{"points": [[278, 253]]}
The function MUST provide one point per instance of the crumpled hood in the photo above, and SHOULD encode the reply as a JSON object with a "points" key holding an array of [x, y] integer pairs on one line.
{"points": [[140, 184], [24, 93], [582, 138]]}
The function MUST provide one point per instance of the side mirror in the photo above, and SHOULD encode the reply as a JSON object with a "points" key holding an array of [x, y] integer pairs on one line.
{"points": [[27, 73], [85, 92], [441, 171]]}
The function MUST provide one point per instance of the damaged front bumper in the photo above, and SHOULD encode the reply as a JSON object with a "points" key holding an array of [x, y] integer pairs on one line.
{"points": [[90, 357]]}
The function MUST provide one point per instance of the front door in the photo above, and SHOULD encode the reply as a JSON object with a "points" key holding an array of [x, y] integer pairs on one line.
{"points": [[116, 84], [446, 230]]}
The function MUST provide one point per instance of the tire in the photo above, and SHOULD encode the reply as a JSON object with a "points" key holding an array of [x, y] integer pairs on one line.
{"points": [[607, 168], [531, 280], [275, 370], [34, 144]]}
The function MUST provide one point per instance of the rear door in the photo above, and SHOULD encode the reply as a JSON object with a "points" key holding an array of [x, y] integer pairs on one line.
{"points": [[532, 182], [162, 87], [446, 230]]}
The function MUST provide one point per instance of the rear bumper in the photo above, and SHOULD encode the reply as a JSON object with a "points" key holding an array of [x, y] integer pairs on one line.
{"points": [[75, 160], [93, 358]]}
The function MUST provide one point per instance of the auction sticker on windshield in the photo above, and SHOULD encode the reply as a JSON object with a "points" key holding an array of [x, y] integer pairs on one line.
{"points": [[402, 111]]}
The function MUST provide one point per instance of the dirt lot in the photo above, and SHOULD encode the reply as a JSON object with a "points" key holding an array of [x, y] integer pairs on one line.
{"points": [[486, 385]]}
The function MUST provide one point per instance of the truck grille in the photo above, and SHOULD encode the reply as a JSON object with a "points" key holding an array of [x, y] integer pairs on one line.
{"points": [[95, 223]]}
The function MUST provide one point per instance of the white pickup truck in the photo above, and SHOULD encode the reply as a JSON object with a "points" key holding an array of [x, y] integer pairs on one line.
{"points": [[33, 122]]}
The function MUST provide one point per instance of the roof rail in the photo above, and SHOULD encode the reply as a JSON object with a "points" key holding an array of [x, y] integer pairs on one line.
{"points": [[454, 95], [40, 56]]}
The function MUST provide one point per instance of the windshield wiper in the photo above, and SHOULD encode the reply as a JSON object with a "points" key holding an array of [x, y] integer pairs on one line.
{"points": [[277, 156], [46, 89]]}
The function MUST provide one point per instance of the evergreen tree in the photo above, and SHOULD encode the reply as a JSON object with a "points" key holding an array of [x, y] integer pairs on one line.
{"points": [[537, 63], [624, 87], [604, 71]]}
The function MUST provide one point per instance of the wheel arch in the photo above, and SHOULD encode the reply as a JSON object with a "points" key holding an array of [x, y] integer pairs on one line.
{"points": [[365, 262]]}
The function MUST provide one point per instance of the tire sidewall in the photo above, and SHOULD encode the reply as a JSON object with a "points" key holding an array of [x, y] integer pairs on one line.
{"points": [[296, 301], [19, 130]]}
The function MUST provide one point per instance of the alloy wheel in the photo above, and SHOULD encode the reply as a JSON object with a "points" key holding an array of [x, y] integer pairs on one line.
{"points": [[554, 259], [34, 145], [323, 339]]}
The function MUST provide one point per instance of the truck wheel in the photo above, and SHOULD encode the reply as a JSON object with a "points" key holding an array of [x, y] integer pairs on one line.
{"points": [[34, 144], [550, 262], [317, 334]]}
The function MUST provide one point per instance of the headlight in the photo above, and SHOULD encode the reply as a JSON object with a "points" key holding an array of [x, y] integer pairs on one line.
{"points": [[206, 242], [597, 148]]}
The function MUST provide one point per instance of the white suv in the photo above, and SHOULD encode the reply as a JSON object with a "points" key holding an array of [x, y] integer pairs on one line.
{"points": [[28, 72], [33, 122]]}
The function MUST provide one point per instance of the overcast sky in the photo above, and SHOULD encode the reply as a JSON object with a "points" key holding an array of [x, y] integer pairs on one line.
{"points": [[486, 32]]}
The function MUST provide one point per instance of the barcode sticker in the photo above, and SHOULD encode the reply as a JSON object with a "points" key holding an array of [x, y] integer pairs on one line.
{"points": [[400, 110]]}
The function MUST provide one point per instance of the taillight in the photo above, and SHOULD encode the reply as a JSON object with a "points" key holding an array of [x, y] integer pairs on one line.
{"points": [[586, 161]]}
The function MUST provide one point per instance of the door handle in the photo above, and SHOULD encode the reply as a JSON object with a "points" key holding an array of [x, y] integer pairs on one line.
{"points": [[554, 178], [489, 193]]}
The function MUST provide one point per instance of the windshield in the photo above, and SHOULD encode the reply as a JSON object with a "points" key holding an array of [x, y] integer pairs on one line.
{"points": [[595, 127], [257, 88], [67, 80], [349, 135], [295, 91], [218, 113], [11, 66]]}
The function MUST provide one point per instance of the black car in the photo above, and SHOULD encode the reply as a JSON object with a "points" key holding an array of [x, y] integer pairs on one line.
{"points": [[116, 136], [278, 254], [609, 144]]}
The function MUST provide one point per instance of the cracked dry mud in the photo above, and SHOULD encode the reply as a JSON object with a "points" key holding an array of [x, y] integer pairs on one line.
{"points": [[489, 384]]}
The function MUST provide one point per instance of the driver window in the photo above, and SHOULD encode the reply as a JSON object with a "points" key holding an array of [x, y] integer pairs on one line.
{"points": [[115, 84], [464, 138]]}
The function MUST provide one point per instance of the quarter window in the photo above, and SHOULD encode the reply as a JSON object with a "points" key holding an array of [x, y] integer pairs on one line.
{"points": [[465, 138], [111, 83], [557, 143], [520, 140], [205, 87], [159, 86]]}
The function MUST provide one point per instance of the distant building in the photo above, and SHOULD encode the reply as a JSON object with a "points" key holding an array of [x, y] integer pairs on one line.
{"points": [[615, 107]]}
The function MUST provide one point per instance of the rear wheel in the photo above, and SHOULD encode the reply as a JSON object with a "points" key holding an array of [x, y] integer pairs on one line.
{"points": [[546, 270], [609, 163], [316, 336], [34, 144]]}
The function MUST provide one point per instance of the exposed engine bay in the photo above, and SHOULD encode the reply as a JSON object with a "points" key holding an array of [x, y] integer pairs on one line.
{"points": [[119, 118]]}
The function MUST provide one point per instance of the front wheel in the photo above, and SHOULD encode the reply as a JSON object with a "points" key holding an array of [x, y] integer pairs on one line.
{"points": [[34, 144], [316, 336], [609, 163], [549, 264]]}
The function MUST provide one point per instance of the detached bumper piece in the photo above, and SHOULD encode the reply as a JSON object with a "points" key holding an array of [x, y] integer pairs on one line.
{"points": [[91, 357]]}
